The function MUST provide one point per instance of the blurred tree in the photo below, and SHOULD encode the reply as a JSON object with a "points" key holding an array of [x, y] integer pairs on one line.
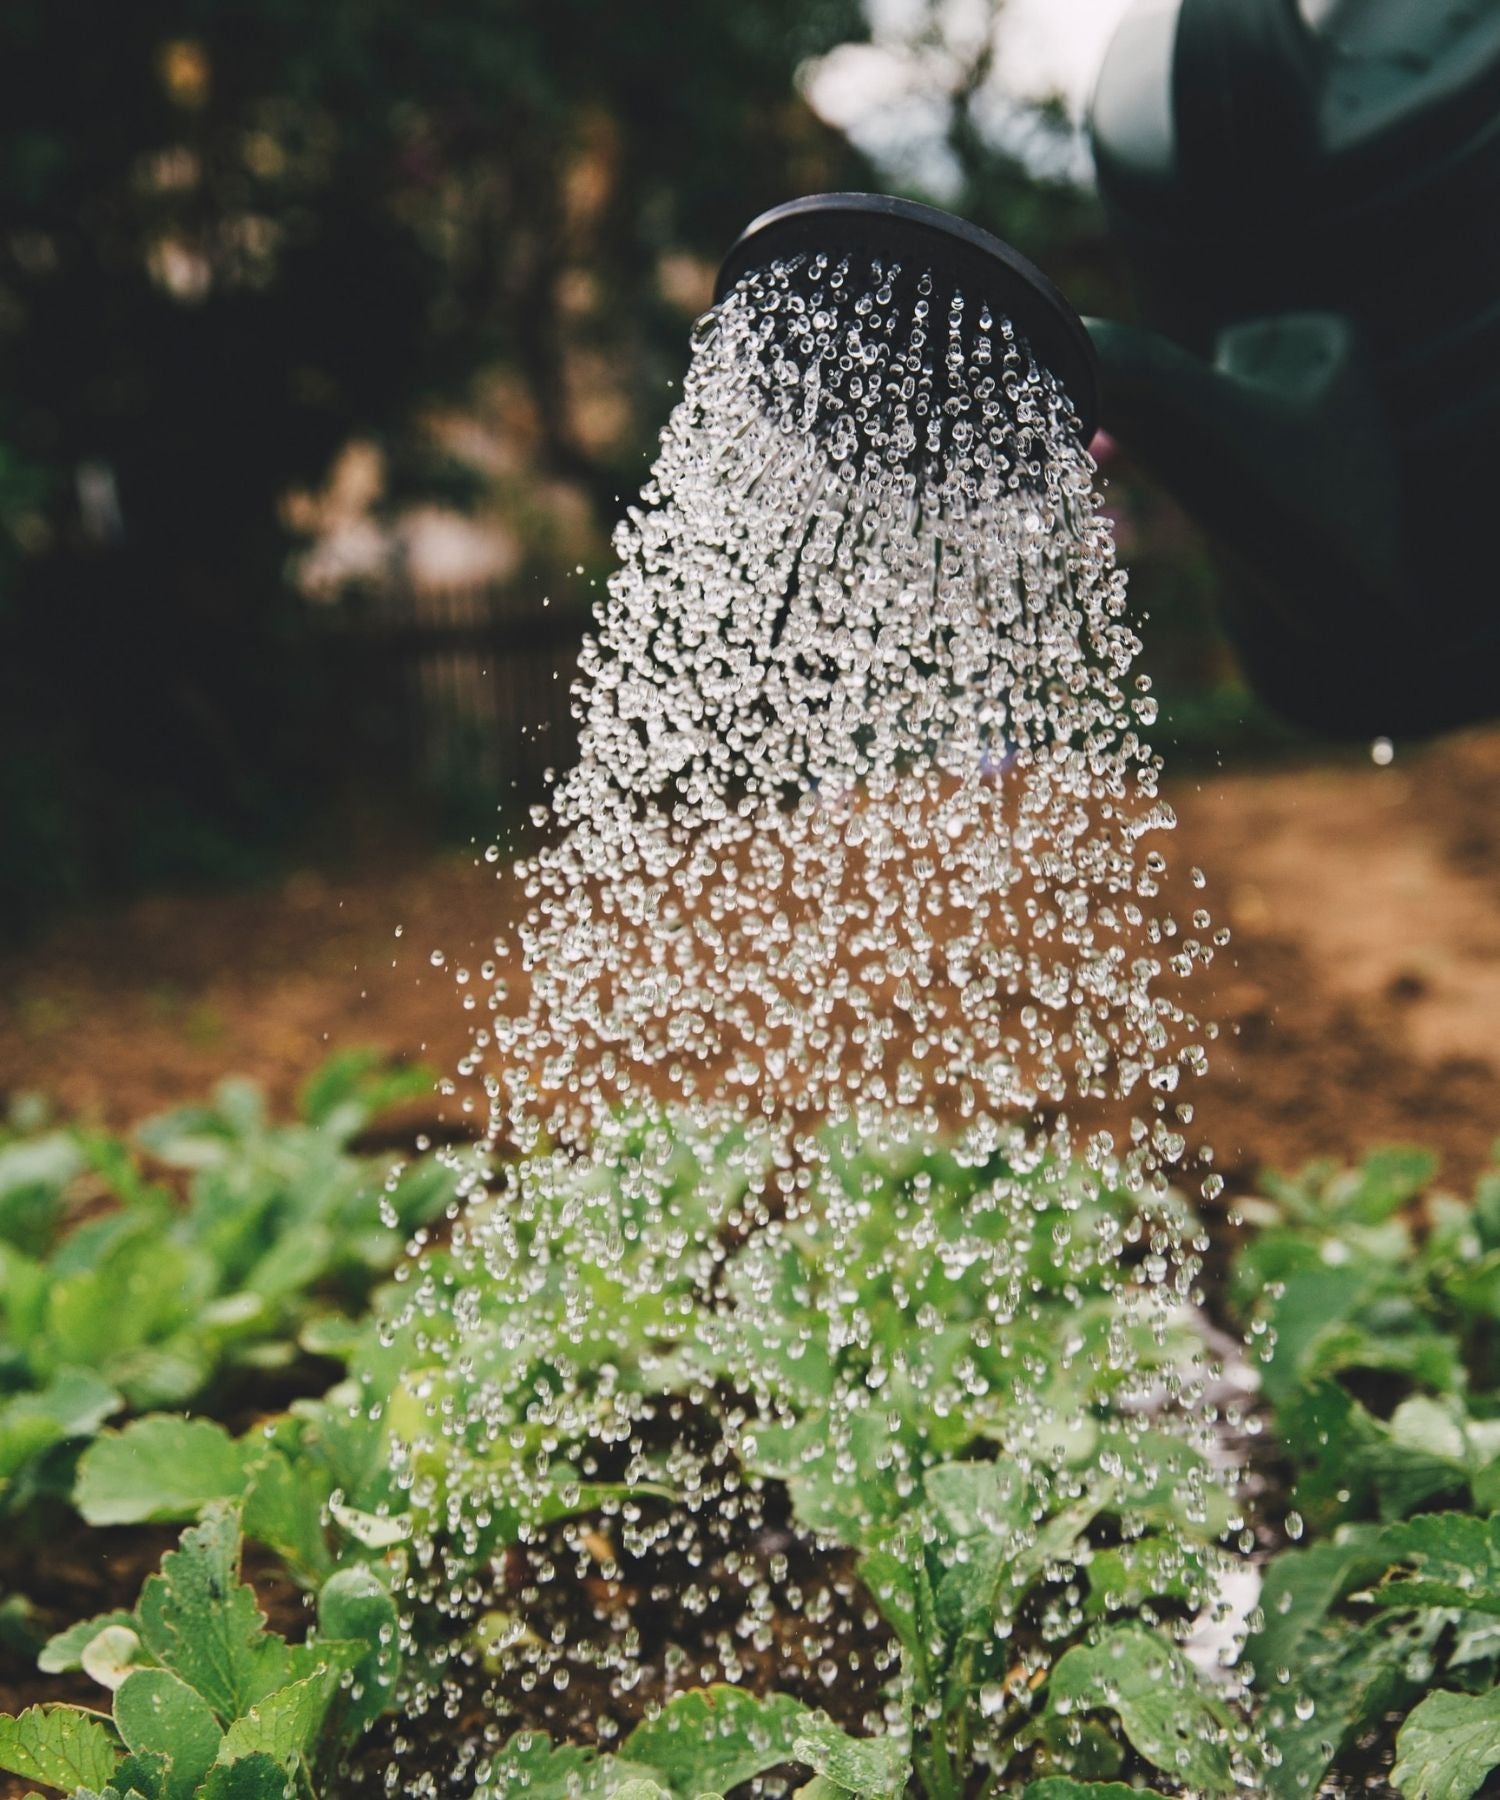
{"points": [[932, 97], [236, 233]]}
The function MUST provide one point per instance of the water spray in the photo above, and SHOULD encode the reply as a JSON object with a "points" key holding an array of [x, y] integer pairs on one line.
{"points": [[845, 1029], [903, 241]]}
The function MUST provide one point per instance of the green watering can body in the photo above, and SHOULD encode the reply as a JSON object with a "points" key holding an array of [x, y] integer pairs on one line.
{"points": [[1309, 194]]}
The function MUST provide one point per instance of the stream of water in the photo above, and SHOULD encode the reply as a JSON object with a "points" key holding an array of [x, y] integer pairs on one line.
{"points": [[853, 903]]}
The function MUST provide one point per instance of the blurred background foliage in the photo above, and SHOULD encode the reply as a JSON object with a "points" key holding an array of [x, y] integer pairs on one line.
{"points": [[296, 301]]}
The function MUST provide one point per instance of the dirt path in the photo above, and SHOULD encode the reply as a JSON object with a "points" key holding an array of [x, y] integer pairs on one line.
{"points": [[1360, 996]]}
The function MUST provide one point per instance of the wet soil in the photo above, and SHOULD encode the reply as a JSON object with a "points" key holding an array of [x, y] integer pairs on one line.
{"points": [[1360, 994]]}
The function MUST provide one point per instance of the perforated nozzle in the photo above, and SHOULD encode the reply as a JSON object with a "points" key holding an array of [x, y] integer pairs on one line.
{"points": [[877, 228]]}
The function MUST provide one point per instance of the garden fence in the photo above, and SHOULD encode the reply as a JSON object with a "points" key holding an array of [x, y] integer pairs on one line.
{"points": [[462, 688]]}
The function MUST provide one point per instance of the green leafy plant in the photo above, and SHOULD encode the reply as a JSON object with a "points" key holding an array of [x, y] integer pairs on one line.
{"points": [[1014, 1565], [998, 1663], [1001, 1529], [206, 1699], [701, 1744], [1034, 1556], [1377, 1301], [928, 1345], [116, 1294], [354, 1454]]}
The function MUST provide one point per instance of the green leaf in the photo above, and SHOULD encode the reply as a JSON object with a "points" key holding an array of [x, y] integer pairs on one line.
{"points": [[78, 1401], [1163, 1480], [1345, 1680], [283, 1509], [142, 1772], [298, 1257], [334, 1335], [895, 1573], [529, 1764], [1474, 1286], [967, 1591], [353, 1605], [168, 1374], [1312, 1307], [1432, 1427], [158, 1470], [1084, 1749], [1154, 1564], [815, 1459], [873, 1768], [59, 1746], [1407, 1479], [978, 1499], [145, 1288], [1455, 1559], [283, 1726], [1476, 1640], [1064, 1787], [990, 1509], [1484, 1486], [200, 1621], [1052, 1549], [1151, 1687], [1448, 1746], [376, 1531], [158, 1713], [111, 1158], [1339, 1444], [1386, 1180], [256, 1777], [717, 1737], [356, 1086], [65, 1651], [73, 1404], [33, 1174], [23, 1295], [1299, 1588], [112, 1654]]}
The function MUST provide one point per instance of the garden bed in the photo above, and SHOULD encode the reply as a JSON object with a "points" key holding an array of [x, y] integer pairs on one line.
{"points": [[1365, 945], [1373, 1451]]}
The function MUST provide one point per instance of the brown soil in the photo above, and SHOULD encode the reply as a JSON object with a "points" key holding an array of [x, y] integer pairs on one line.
{"points": [[1360, 995], [1361, 992]]}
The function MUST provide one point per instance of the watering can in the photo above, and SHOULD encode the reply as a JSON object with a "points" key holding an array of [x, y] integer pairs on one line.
{"points": [[1309, 194]]}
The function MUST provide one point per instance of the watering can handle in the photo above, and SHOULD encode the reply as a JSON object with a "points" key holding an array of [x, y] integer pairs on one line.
{"points": [[1244, 89]]}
